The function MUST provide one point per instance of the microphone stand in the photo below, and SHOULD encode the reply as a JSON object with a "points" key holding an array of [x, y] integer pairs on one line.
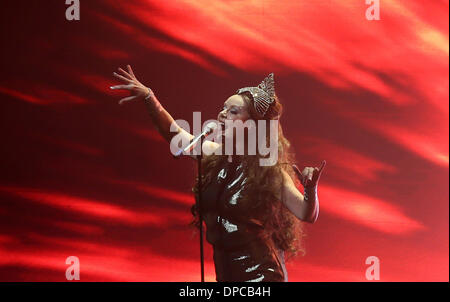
{"points": [[199, 206]]}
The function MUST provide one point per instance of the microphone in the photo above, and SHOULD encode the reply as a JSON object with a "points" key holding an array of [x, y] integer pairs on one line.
{"points": [[209, 128]]}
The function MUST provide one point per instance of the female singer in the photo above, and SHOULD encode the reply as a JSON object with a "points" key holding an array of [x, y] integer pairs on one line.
{"points": [[252, 212]]}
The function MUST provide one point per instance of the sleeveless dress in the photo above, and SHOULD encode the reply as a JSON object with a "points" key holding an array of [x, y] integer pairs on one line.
{"points": [[242, 252]]}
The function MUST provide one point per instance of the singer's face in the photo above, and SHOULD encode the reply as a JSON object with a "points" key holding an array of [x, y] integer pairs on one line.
{"points": [[234, 108]]}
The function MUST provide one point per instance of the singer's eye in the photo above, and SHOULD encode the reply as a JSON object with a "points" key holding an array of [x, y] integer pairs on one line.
{"points": [[234, 111]]}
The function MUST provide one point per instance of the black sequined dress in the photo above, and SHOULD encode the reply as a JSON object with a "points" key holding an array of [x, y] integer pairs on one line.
{"points": [[242, 252]]}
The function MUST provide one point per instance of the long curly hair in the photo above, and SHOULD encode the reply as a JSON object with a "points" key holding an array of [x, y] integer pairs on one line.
{"points": [[263, 192]]}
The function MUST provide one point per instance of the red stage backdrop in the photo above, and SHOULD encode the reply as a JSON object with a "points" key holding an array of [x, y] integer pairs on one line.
{"points": [[82, 176]]}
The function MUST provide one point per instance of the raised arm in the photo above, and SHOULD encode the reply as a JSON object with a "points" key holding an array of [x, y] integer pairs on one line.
{"points": [[304, 207], [161, 119]]}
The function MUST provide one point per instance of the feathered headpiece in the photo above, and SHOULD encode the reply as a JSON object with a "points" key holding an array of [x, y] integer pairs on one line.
{"points": [[263, 95]]}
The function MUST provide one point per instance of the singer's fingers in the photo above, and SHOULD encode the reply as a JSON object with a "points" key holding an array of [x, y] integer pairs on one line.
{"points": [[305, 173], [127, 87], [130, 71], [122, 78], [130, 98], [299, 174], [297, 171], [318, 171], [324, 162], [126, 74]]}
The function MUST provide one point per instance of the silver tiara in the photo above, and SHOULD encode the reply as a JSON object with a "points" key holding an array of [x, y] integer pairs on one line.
{"points": [[263, 95]]}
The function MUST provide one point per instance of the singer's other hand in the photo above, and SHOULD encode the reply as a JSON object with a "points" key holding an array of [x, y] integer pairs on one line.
{"points": [[137, 89], [310, 176]]}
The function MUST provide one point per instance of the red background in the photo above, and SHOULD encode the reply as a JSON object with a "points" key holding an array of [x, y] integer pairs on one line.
{"points": [[82, 176]]}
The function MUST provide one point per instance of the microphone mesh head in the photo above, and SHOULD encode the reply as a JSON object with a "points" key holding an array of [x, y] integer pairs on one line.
{"points": [[211, 127]]}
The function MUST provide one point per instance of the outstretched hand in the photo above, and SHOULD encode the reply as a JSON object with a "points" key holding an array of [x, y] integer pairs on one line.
{"points": [[310, 176], [131, 83]]}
